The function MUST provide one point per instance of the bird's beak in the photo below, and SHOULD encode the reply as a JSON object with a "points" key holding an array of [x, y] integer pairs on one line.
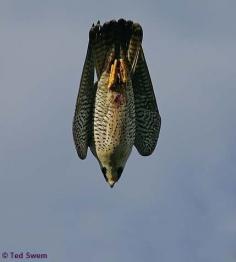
{"points": [[111, 183]]}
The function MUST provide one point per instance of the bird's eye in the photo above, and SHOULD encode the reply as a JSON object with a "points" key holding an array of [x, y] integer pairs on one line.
{"points": [[119, 171], [104, 170]]}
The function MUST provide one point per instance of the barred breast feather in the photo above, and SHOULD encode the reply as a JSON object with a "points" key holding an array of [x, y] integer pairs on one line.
{"points": [[114, 119]]}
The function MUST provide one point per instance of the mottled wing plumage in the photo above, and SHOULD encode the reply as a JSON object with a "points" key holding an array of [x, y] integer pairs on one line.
{"points": [[82, 122], [148, 120], [101, 38], [98, 48], [134, 46]]}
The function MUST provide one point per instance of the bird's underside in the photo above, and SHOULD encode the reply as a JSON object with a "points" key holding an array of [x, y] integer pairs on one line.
{"points": [[120, 109]]}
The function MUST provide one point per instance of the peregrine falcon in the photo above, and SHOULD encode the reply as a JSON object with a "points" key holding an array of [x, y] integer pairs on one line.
{"points": [[119, 110]]}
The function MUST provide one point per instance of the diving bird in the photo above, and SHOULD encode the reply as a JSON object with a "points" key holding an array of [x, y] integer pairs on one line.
{"points": [[119, 110]]}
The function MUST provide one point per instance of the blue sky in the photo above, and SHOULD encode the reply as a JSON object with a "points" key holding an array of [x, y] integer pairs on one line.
{"points": [[176, 205]]}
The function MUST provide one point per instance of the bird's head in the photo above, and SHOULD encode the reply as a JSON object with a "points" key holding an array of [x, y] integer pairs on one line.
{"points": [[112, 166], [112, 174]]}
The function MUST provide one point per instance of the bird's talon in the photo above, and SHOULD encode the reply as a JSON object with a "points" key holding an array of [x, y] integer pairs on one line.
{"points": [[118, 70]]}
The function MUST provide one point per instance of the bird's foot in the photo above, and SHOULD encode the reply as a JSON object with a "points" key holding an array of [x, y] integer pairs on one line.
{"points": [[113, 75], [123, 71], [118, 73]]}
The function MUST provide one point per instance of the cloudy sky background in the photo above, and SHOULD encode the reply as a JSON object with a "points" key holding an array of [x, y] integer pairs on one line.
{"points": [[176, 205]]}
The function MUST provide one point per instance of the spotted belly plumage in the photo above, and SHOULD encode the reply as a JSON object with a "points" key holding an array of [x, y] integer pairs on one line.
{"points": [[120, 109], [114, 126]]}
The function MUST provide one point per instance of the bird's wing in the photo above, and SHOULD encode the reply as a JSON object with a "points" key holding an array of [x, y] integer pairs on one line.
{"points": [[82, 122], [134, 45], [98, 48], [101, 41], [148, 120]]}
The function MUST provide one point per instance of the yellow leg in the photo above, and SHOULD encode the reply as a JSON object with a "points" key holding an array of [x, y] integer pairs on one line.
{"points": [[113, 74], [123, 71]]}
